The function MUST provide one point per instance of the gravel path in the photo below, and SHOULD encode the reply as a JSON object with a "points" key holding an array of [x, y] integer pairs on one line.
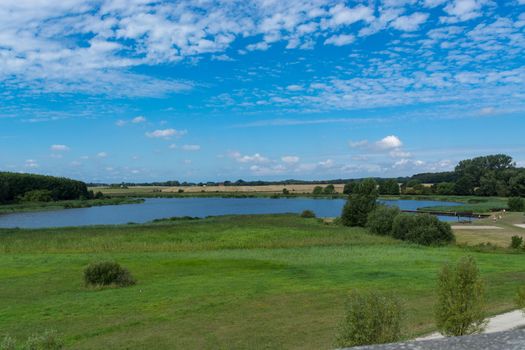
{"points": [[479, 227], [504, 322]]}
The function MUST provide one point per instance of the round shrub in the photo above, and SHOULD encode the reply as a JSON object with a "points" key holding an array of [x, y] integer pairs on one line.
{"points": [[381, 219], [401, 225], [422, 229], [106, 274], [307, 214], [516, 204], [370, 318], [516, 242]]}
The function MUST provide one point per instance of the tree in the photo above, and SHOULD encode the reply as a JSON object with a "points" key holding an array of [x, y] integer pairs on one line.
{"points": [[445, 188], [329, 189], [349, 187], [370, 318], [516, 204], [517, 184], [317, 190], [360, 203], [464, 186], [389, 187], [380, 219], [460, 305]]}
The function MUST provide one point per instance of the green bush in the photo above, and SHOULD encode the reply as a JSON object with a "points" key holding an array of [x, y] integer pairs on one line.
{"points": [[349, 187], [8, 343], [516, 242], [520, 298], [516, 204], [329, 189], [422, 229], [37, 196], [381, 219], [307, 214], [370, 318], [285, 191], [360, 203], [317, 190], [107, 273], [460, 305]]}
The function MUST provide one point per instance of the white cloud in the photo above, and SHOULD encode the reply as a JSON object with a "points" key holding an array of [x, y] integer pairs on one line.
{"points": [[139, 119], [294, 87], [397, 153], [358, 144], [31, 163], [120, 123], [340, 40], [255, 158], [463, 10], [191, 148], [59, 148], [261, 46], [166, 133], [411, 22], [326, 163], [102, 154], [290, 159], [389, 142], [342, 15]]}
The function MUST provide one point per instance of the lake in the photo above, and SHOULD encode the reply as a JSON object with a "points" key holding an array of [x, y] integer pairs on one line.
{"points": [[158, 208]]}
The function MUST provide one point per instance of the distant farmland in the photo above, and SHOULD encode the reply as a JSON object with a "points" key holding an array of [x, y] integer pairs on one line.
{"points": [[298, 189]]}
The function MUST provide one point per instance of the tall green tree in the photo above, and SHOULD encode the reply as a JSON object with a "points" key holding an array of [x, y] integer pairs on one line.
{"points": [[389, 187], [360, 203], [349, 187]]}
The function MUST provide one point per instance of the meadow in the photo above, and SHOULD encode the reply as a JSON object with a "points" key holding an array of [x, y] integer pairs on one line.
{"points": [[233, 282]]}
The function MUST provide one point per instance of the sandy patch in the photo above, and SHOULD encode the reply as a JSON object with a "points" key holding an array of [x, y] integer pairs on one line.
{"points": [[504, 322], [460, 227], [520, 225]]}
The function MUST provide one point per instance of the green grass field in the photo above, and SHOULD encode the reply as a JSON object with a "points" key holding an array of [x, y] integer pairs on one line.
{"points": [[245, 282]]}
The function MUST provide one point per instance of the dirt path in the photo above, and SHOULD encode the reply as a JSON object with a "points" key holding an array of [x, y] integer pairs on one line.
{"points": [[520, 225], [504, 322], [478, 227]]}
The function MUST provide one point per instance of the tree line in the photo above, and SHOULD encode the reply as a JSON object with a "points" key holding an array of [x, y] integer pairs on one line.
{"points": [[32, 187]]}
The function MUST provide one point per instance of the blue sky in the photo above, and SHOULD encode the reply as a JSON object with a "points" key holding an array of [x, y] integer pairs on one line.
{"points": [[137, 90]]}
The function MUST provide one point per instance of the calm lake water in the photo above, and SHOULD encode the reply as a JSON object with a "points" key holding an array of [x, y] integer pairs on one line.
{"points": [[158, 208]]}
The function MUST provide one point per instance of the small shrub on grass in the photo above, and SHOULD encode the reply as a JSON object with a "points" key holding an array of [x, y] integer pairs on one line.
{"points": [[460, 305], [381, 219], [307, 214], [106, 274], [520, 298], [516, 242], [8, 343], [516, 204], [370, 318], [48, 340]]}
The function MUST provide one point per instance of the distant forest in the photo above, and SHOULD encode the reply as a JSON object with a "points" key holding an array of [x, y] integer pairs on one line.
{"points": [[39, 188], [493, 175]]}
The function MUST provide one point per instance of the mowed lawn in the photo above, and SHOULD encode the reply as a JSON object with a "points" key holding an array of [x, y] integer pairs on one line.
{"points": [[246, 282]]}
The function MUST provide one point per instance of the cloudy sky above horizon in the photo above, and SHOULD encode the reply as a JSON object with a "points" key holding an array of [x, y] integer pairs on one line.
{"points": [[138, 90]]}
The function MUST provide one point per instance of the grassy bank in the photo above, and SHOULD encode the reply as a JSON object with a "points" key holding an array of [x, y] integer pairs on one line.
{"points": [[57, 205], [245, 282]]}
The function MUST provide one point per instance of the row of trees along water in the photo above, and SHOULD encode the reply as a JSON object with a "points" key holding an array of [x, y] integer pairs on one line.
{"points": [[40, 188], [493, 175]]}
